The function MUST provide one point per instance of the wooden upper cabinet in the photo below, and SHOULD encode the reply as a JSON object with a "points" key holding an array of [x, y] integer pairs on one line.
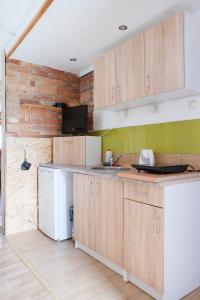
{"points": [[69, 150], [84, 209], [109, 218], [105, 93], [163, 61], [164, 56], [99, 82], [121, 73], [130, 70], [110, 97], [143, 243], [77, 150]]}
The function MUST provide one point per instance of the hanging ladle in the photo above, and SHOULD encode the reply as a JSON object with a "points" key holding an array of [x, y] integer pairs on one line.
{"points": [[25, 165]]}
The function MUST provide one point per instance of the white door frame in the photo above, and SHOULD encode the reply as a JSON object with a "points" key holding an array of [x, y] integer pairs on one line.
{"points": [[3, 150]]}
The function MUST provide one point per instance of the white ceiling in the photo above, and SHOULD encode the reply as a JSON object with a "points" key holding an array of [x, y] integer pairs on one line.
{"points": [[12, 16], [82, 28]]}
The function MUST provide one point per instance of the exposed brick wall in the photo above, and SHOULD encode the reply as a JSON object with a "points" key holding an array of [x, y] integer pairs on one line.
{"points": [[29, 83], [86, 95]]}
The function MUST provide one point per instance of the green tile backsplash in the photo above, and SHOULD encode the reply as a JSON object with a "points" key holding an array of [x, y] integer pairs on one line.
{"points": [[173, 137]]}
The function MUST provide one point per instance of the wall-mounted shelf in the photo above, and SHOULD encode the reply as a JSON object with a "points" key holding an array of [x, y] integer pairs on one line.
{"points": [[28, 106]]}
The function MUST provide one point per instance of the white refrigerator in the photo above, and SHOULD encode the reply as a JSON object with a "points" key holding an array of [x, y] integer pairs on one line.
{"points": [[55, 200]]}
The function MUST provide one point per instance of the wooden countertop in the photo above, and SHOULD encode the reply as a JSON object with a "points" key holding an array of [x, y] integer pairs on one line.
{"points": [[157, 178], [132, 174]]}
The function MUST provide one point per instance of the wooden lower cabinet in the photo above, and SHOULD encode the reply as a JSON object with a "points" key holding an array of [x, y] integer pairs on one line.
{"points": [[131, 232], [98, 212], [84, 209], [143, 242], [126, 232], [109, 218]]}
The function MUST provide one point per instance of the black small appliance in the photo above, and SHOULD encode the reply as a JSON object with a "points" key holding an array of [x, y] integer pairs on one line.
{"points": [[74, 120]]}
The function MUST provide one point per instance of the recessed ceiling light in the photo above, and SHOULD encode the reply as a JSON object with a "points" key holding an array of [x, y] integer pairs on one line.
{"points": [[73, 59], [123, 27]]}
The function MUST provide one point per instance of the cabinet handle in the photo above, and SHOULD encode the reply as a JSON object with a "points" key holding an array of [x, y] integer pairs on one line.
{"points": [[118, 93], [147, 81], [91, 187], [97, 188], [113, 93], [156, 228], [139, 193]]}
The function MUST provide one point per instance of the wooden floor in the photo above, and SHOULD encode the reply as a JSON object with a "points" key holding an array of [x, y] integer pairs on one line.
{"points": [[16, 280], [33, 266]]}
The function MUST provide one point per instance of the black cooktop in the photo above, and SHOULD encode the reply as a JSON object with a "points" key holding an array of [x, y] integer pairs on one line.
{"points": [[163, 169]]}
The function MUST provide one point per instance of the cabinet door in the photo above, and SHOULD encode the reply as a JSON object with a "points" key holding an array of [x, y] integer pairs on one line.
{"points": [[78, 150], [143, 242], [164, 56], [105, 92], [130, 69], [110, 79], [99, 82], [135, 68], [84, 209], [62, 150], [121, 73], [109, 218], [69, 150]]}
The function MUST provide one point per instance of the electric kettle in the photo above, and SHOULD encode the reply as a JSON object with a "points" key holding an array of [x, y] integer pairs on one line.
{"points": [[147, 157]]}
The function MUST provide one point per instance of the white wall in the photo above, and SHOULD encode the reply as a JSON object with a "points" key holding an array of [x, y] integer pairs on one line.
{"points": [[168, 111]]}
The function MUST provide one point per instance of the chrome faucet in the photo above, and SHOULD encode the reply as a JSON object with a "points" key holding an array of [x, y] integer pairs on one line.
{"points": [[118, 158]]}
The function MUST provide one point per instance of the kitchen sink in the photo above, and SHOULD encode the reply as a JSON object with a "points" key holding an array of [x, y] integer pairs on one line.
{"points": [[110, 168]]}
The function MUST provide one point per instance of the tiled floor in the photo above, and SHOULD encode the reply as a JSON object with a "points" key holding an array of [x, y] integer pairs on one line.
{"points": [[49, 270]]}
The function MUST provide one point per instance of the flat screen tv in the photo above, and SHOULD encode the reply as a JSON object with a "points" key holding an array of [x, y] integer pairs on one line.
{"points": [[74, 120]]}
